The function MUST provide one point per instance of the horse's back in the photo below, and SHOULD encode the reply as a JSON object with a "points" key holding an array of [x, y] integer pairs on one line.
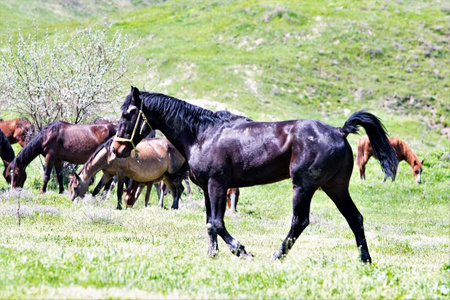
{"points": [[74, 143], [265, 152], [155, 158]]}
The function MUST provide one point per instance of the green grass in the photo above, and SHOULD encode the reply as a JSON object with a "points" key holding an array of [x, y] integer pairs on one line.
{"points": [[269, 61], [90, 250]]}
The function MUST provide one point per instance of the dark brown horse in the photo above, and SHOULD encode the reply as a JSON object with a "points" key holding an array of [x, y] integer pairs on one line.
{"points": [[18, 130], [402, 150], [6, 153], [57, 142], [228, 151]]}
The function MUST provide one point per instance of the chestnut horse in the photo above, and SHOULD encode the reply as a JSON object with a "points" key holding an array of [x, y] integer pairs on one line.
{"points": [[158, 160], [233, 198], [57, 142], [228, 151], [19, 130], [6, 153], [402, 150]]}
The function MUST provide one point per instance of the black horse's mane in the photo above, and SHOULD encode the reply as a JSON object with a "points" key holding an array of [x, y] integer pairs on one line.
{"points": [[192, 116], [6, 151], [33, 148]]}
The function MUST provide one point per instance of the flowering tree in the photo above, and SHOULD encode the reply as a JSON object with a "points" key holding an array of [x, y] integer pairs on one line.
{"points": [[67, 77]]}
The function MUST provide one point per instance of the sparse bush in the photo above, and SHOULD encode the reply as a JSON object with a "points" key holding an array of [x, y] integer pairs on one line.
{"points": [[68, 76]]}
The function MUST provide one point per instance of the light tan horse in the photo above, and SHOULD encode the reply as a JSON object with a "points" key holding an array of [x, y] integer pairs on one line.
{"points": [[158, 160], [402, 150]]}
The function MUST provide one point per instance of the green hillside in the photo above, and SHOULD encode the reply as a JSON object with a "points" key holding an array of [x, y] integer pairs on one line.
{"points": [[278, 60]]}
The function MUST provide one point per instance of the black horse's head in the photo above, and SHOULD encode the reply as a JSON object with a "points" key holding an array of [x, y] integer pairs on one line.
{"points": [[15, 174], [133, 125]]}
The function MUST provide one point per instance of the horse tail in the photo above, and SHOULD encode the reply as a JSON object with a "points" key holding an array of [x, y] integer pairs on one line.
{"points": [[377, 137]]}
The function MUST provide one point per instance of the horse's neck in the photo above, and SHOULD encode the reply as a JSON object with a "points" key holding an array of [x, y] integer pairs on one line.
{"points": [[30, 151], [94, 165], [409, 155], [180, 139], [404, 152]]}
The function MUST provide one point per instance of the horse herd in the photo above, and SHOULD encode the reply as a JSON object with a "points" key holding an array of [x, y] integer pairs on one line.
{"points": [[219, 151]]}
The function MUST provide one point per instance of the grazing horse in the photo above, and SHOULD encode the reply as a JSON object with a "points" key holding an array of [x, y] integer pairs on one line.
{"points": [[402, 150], [157, 160], [6, 153], [19, 130], [57, 142], [235, 152]]}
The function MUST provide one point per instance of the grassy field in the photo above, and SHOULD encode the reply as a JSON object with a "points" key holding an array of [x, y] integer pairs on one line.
{"points": [[269, 61]]}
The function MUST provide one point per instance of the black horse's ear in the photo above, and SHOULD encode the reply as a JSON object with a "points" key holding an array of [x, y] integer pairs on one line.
{"points": [[136, 94]]}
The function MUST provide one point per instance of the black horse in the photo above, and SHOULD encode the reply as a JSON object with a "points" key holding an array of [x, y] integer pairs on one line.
{"points": [[232, 152], [6, 154]]}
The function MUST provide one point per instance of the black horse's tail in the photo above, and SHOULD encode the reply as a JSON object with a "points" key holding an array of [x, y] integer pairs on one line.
{"points": [[378, 139]]}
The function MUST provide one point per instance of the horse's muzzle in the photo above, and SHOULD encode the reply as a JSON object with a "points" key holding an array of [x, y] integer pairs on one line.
{"points": [[121, 149]]}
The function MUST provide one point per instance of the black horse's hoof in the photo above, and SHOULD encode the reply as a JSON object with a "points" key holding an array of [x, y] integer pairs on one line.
{"points": [[278, 255]]}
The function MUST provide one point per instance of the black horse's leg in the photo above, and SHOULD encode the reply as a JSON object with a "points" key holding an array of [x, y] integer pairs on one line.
{"points": [[59, 176], [101, 184], [213, 247], [98, 188], [338, 192], [216, 224], [47, 172], [175, 188], [300, 218], [119, 192], [104, 180]]}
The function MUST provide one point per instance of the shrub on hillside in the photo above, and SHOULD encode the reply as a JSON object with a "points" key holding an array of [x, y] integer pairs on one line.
{"points": [[69, 76]]}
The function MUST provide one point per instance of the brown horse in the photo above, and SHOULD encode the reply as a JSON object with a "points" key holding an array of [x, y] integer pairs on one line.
{"points": [[225, 151], [402, 150], [6, 153], [19, 130], [57, 142], [158, 160], [232, 198]]}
